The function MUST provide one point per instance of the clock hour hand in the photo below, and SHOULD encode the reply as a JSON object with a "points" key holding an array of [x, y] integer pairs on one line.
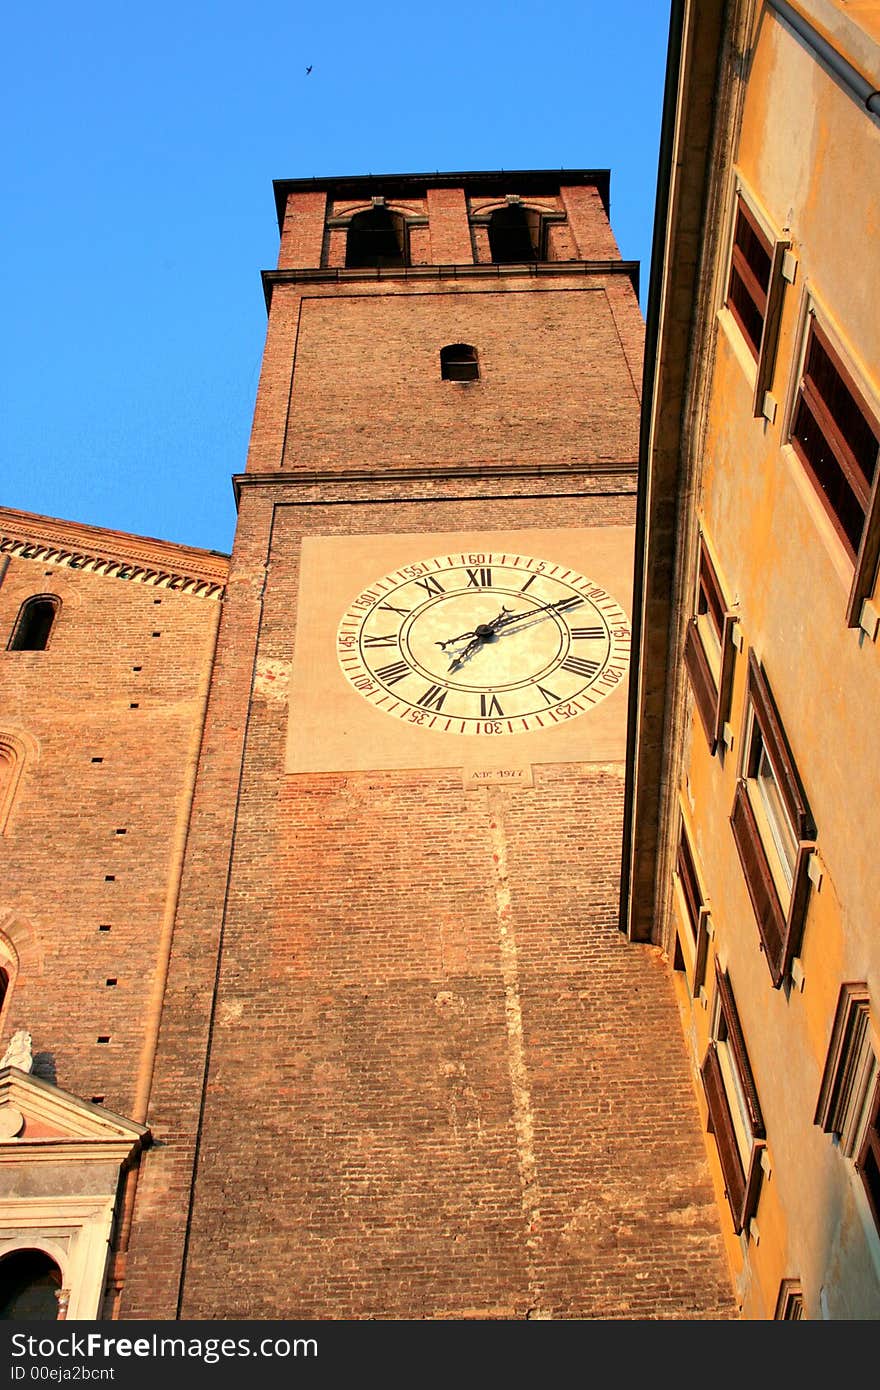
{"points": [[482, 630], [474, 645]]}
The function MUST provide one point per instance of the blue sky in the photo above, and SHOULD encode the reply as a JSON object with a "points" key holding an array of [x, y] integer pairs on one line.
{"points": [[138, 209]]}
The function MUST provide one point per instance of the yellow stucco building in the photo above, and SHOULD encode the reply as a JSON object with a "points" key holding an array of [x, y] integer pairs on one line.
{"points": [[753, 775]]}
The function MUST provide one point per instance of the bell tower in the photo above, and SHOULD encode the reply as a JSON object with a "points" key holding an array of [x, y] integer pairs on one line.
{"points": [[408, 1067]]}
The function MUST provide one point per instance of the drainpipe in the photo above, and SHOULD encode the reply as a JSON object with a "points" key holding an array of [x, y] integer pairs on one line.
{"points": [[856, 86]]}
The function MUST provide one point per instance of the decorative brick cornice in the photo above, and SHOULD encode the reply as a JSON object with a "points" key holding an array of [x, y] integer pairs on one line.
{"points": [[114, 554]]}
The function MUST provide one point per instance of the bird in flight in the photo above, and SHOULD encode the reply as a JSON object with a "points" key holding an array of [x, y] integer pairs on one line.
{"points": [[308, 69]]}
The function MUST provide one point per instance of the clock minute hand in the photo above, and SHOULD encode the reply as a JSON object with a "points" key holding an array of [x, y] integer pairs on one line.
{"points": [[534, 614]]}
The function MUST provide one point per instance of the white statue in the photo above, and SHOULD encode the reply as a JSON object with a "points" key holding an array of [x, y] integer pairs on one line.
{"points": [[18, 1053]]}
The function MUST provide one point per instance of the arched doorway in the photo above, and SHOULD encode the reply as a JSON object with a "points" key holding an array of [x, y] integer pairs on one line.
{"points": [[29, 1280]]}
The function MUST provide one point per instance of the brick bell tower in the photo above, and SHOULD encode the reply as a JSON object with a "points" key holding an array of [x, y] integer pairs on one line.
{"points": [[408, 1067]]}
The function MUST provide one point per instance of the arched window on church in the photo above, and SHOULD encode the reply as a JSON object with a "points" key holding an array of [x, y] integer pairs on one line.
{"points": [[34, 623], [458, 362], [514, 234], [29, 1283], [14, 751], [376, 237]]}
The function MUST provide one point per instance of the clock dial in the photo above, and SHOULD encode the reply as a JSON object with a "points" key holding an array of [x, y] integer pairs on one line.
{"points": [[487, 642]]}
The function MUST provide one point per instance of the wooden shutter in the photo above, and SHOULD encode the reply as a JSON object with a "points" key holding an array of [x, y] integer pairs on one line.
{"points": [[770, 335], [721, 1126], [742, 1186], [780, 756], [738, 1045], [702, 681], [759, 881]]}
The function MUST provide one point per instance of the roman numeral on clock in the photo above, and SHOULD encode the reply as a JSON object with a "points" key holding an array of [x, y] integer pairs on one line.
{"points": [[480, 578], [549, 696], [579, 666], [489, 706], [587, 633], [389, 608], [433, 697], [389, 641], [392, 673], [431, 585]]}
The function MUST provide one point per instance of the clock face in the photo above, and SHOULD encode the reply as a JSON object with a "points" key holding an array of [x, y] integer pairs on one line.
{"points": [[484, 643]]}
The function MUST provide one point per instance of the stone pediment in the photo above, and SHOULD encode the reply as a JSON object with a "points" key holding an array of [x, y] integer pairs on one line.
{"points": [[40, 1121]]}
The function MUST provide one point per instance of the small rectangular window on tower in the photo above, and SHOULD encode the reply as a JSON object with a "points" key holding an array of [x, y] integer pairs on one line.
{"points": [[458, 362]]}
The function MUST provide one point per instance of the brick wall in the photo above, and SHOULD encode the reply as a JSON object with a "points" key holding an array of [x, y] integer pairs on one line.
{"points": [[352, 378], [428, 1042], [109, 717], [302, 234]]}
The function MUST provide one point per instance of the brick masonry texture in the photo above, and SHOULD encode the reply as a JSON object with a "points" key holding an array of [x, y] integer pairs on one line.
{"points": [[352, 378], [111, 714], [364, 1024], [367, 389]]}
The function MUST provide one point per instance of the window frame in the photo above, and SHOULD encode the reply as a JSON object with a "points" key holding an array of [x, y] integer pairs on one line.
{"points": [[456, 363], [771, 296], [398, 222], [848, 1105], [742, 1177], [533, 224], [692, 907], [780, 909], [849, 1075], [869, 1154], [48, 600], [864, 558], [790, 1302], [710, 672]]}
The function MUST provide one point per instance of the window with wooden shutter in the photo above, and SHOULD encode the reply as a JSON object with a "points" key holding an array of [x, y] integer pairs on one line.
{"points": [[691, 909], [735, 1117], [772, 828], [755, 288], [709, 650], [836, 436]]}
